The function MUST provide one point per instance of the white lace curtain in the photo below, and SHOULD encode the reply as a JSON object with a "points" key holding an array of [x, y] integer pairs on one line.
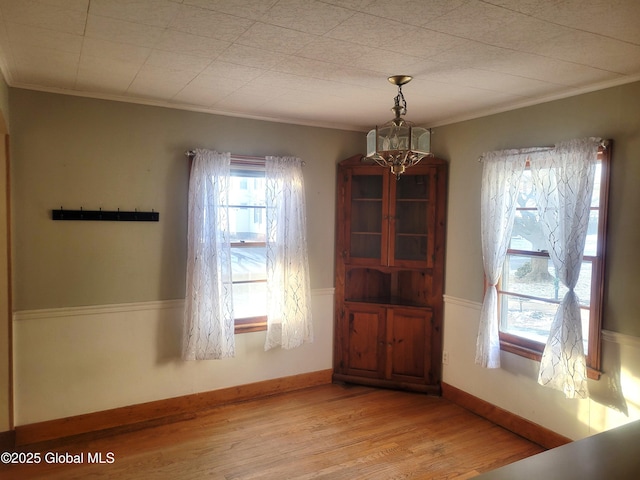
{"points": [[208, 317], [288, 291], [564, 186], [208, 330], [501, 175], [563, 178]]}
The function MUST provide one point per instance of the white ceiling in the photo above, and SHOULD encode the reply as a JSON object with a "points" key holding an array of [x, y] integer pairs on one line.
{"points": [[322, 62]]}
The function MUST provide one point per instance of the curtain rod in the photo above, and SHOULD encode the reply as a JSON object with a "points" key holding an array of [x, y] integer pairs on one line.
{"points": [[603, 144], [192, 153], [243, 158]]}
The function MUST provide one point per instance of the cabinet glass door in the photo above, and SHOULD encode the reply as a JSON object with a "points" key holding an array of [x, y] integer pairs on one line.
{"points": [[366, 217], [410, 215]]}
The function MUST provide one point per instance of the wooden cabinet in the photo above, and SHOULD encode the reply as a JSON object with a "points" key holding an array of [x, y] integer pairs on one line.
{"points": [[390, 274]]}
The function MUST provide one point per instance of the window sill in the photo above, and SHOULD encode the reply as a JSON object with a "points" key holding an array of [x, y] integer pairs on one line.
{"points": [[531, 352], [249, 325]]}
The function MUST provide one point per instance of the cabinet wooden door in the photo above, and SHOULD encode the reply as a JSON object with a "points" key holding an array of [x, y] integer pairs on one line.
{"points": [[365, 353], [409, 345], [387, 343]]}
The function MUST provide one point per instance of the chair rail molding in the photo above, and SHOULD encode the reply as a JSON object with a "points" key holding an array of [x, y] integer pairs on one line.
{"points": [[607, 335], [37, 314]]}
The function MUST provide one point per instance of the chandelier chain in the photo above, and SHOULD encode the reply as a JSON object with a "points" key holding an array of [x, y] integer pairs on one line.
{"points": [[398, 99]]}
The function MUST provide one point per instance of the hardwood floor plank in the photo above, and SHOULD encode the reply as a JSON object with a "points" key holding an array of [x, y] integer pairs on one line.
{"points": [[326, 432]]}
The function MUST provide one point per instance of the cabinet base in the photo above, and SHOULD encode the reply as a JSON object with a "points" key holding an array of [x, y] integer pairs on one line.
{"points": [[376, 382]]}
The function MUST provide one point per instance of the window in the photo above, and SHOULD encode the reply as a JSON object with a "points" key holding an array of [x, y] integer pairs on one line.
{"points": [[248, 230], [530, 292], [245, 271]]}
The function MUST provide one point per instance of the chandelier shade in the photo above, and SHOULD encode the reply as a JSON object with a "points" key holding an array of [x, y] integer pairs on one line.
{"points": [[398, 144]]}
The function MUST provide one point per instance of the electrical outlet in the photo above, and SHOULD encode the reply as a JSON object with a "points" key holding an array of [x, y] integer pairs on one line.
{"points": [[445, 358]]}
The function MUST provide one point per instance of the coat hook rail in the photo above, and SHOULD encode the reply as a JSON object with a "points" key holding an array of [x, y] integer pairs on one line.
{"points": [[105, 215]]}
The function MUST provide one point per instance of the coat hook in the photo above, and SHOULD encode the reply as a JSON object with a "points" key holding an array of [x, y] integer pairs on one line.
{"points": [[100, 214]]}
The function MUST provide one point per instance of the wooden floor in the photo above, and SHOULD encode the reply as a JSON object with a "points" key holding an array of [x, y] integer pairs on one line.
{"points": [[328, 432]]}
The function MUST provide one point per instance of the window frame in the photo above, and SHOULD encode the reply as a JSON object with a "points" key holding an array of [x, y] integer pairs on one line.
{"points": [[532, 349], [257, 323]]}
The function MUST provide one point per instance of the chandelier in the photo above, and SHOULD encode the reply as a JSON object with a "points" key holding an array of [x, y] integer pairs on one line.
{"points": [[398, 144]]}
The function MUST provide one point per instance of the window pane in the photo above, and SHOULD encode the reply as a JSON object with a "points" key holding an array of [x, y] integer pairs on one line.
{"points": [[247, 220], [248, 263], [527, 232], [250, 300], [247, 224], [527, 318], [597, 180], [532, 319], [536, 277], [591, 243], [247, 190]]}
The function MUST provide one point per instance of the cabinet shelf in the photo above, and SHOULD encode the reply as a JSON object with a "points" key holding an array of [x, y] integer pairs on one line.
{"points": [[386, 301]]}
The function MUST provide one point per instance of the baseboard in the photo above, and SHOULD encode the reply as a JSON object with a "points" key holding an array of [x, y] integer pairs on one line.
{"points": [[161, 411], [7, 439], [514, 423]]}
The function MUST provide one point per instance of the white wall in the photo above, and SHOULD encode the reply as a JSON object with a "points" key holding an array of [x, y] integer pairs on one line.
{"points": [[71, 359], [97, 321], [76, 360], [615, 398], [614, 401]]}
